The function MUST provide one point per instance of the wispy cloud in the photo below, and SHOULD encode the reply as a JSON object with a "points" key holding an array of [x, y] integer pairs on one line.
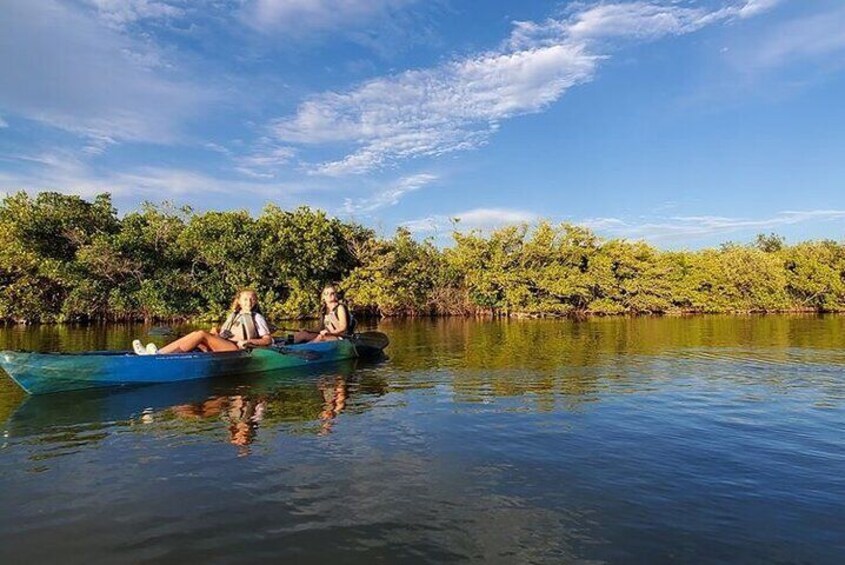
{"points": [[65, 171], [476, 219], [3, 123], [687, 228], [63, 68], [265, 162], [755, 7], [121, 12], [818, 35], [672, 229], [57, 170], [419, 113], [390, 196], [297, 16], [459, 105]]}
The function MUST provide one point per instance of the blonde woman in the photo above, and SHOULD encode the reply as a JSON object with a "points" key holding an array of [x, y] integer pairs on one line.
{"points": [[337, 320], [244, 327]]}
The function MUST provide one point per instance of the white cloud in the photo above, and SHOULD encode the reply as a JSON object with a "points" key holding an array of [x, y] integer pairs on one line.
{"points": [[121, 12], [674, 229], [389, 196], [58, 170], [161, 181], [3, 123], [681, 228], [433, 112], [637, 20], [817, 35], [458, 105], [297, 16], [265, 162], [65, 69], [755, 7], [477, 219], [603, 224], [64, 171]]}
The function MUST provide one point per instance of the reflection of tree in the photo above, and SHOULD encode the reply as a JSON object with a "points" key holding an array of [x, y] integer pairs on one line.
{"points": [[548, 344], [79, 337], [576, 358], [11, 397]]}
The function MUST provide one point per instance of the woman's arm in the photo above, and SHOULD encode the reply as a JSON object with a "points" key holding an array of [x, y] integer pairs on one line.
{"points": [[264, 338], [256, 341], [342, 323]]}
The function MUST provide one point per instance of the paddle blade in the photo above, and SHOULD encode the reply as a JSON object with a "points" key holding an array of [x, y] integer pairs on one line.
{"points": [[372, 340]]}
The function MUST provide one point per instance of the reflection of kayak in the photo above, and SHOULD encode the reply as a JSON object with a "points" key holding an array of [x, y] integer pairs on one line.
{"points": [[91, 408], [41, 373]]}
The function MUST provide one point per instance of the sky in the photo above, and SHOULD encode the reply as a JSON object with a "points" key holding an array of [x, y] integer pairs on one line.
{"points": [[683, 123]]}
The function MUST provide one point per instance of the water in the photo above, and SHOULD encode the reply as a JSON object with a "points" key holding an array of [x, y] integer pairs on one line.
{"points": [[704, 439]]}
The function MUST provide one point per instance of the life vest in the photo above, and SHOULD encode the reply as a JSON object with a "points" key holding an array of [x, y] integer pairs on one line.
{"points": [[241, 325], [331, 321]]}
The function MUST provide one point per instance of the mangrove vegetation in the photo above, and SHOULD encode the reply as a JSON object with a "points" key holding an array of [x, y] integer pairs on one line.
{"points": [[65, 258]]}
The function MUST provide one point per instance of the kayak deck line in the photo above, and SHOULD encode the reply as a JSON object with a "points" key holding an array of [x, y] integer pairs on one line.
{"points": [[43, 373]]}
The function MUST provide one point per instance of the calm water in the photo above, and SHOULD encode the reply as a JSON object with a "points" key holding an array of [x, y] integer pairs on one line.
{"points": [[708, 439]]}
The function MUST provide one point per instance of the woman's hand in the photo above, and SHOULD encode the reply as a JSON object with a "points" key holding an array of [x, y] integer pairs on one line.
{"points": [[242, 343], [324, 333]]}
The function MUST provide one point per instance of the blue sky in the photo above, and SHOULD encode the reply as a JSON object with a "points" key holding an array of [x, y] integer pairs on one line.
{"points": [[685, 123]]}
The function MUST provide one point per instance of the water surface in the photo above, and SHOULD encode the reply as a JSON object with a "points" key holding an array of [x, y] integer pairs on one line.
{"points": [[703, 439]]}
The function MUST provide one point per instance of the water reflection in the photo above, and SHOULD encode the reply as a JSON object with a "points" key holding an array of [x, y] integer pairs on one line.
{"points": [[707, 439], [242, 406], [547, 344], [335, 392], [546, 360], [579, 359], [240, 413]]}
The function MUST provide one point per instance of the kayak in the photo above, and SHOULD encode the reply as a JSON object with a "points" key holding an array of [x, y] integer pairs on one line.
{"points": [[43, 373]]}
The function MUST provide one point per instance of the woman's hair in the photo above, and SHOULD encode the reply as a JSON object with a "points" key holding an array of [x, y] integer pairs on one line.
{"points": [[323, 308], [236, 307]]}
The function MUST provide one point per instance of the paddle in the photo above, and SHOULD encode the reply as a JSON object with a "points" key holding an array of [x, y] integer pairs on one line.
{"points": [[374, 340]]}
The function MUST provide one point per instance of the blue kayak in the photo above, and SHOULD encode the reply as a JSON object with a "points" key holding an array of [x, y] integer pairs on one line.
{"points": [[42, 373]]}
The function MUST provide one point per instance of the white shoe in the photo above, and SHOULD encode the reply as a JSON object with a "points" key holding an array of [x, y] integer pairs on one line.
{"points": [[138, 348], [151, 349]]}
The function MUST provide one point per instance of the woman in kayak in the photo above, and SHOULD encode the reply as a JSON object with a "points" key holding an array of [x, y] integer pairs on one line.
{"points": [[244, 327], [337, 321]]}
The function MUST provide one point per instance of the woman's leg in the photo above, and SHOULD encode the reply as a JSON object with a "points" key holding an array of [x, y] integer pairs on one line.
{"points": [[196, 340], [216, 343]]}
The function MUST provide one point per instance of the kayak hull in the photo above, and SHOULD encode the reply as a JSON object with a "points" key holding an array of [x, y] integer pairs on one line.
{"points": [[43, 373]]}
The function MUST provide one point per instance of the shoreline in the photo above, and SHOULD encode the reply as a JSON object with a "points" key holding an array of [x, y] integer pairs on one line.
{"points": [[487, 316]]}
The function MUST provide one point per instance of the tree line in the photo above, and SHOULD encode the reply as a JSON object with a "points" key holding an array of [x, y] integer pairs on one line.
{"points": [[64, 258]]}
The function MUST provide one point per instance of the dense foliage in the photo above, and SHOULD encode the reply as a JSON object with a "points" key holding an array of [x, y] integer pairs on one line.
{"points": [[64, 258]]}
